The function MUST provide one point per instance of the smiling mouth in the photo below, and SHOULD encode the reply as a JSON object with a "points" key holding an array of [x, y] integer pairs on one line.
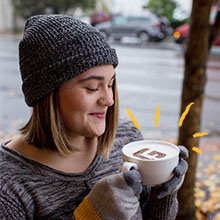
{"points": [[100, 115]]}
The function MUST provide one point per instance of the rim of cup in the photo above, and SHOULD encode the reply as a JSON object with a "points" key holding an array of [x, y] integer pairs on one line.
{"points": [[149, 142]]}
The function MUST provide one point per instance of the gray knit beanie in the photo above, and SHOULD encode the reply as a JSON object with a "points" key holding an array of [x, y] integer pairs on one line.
{"points": [[56, 48]]}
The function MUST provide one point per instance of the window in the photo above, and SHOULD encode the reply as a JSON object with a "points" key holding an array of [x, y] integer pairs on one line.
{"points": [[120, 20]]}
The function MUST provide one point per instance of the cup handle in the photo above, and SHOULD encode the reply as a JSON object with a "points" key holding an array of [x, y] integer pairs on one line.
{"points": [[128, 165]]}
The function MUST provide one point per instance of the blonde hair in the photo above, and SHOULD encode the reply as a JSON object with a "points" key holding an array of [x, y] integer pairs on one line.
{"points": [[45, 128]]}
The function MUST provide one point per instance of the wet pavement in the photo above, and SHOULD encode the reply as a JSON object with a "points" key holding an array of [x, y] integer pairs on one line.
{"points": [[148, 75], [207, 187]]}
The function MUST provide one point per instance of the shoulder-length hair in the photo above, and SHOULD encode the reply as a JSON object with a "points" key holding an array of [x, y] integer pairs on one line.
{"points": [[45, 128]]}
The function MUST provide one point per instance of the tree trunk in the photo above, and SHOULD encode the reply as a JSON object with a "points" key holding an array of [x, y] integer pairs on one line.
{"points": [[193, 91]]}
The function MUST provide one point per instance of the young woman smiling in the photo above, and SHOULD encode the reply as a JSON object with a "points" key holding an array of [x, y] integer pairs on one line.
{"points": [[66, 162]]}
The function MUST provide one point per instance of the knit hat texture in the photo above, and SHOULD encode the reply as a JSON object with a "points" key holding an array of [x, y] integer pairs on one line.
{"points": [[56, 48]]}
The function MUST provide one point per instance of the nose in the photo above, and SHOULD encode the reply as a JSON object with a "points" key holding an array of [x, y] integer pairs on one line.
{"points": [[107, 98]]}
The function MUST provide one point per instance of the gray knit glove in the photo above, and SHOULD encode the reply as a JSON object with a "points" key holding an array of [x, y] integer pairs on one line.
{"points": [[113, 197], [177, 180]]}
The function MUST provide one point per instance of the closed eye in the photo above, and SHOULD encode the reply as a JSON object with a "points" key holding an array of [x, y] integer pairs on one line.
{"points": [[92, 90]]}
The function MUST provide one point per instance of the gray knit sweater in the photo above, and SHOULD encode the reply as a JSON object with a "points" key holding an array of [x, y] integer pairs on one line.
{"points": [[30, 190]]}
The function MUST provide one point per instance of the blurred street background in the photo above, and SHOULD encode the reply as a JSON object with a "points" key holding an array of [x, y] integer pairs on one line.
{"points": [[150, 73]]}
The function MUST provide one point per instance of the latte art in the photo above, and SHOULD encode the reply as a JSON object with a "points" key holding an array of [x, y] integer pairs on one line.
{"points": [[157, 154], [152, 150], [154, 159], [148, 154]]}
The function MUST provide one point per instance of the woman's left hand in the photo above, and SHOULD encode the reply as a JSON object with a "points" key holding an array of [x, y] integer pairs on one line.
{"points": [[177, 180]]}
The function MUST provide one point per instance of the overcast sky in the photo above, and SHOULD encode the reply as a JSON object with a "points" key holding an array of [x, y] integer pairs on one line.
{"points": [[185, 4], [184, 8]]}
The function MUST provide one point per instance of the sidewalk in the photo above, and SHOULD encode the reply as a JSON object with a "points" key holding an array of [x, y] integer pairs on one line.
{"points": [[207, 186]]}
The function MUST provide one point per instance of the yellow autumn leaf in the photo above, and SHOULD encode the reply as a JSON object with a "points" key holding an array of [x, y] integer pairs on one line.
{"points": [[200, 184], [211, 169], [198, 202], [215, 196], [216, 157], [200, 216], [200, 194]]}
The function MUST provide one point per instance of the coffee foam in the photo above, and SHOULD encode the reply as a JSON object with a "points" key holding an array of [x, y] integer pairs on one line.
{"points": [[150, 150]]}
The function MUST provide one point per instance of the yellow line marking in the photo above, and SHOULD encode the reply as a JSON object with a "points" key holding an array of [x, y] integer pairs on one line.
{"points": [[185, 113], [133, 119], [200, 134], [157, 115], [196, 149]]}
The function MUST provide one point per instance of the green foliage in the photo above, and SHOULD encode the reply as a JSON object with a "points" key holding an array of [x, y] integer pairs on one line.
{"points": [[162, 8], [176, 23], [27, 8]]}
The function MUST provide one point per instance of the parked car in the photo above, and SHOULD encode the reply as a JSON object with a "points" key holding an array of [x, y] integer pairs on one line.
{"points": [[99, 17], [146, 28], [164, 25], [180, 34]]}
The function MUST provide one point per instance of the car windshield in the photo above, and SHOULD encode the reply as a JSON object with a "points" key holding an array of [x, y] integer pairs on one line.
{"points": [[120, 20], [138, 18]]}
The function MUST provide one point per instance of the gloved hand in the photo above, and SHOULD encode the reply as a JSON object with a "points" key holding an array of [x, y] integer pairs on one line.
{"points": [[177, 180], [113, 197]]}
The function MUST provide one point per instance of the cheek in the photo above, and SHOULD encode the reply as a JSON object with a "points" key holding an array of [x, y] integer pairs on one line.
{"points": [[74, 106]]}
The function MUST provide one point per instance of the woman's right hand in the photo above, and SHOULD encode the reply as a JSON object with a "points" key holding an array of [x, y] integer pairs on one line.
{"points": [[113, 197]]}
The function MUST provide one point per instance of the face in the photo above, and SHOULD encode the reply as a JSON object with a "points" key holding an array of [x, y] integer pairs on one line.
{"points": [[84, 100]]}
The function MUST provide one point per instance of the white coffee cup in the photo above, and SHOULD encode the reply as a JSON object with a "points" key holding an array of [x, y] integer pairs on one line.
{"points": [[154, 159]]}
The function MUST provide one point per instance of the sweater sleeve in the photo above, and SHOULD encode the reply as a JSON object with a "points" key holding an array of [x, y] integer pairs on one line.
{"points": [[9, 209], [158, 209], [127, 132]]}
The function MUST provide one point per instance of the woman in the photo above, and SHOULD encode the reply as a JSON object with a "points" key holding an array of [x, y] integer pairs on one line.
{"points": [[66, 162]]}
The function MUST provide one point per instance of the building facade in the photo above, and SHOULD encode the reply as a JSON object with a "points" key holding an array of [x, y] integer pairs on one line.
{"points": [[6, 16]]}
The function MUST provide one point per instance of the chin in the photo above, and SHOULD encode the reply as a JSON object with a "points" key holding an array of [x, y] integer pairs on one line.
{"points": [[94, 135], [98, 132]]}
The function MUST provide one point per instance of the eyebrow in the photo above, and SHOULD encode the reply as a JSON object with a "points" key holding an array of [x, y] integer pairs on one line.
{"points": [[100, 78]]}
